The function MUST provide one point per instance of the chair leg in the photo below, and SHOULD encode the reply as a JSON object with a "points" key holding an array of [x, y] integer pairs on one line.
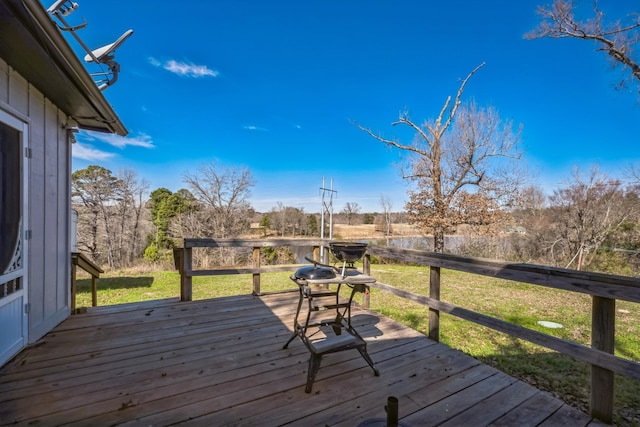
{"points": [[337, 325], [295, 333], [314, 365], [363, 352]]}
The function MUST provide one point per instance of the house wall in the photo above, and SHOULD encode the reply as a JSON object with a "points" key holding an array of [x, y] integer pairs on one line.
{"points": [[49, 206]]}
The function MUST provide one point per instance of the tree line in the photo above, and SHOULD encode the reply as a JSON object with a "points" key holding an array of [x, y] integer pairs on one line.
{"points": [[592, 222], [120, 222]]}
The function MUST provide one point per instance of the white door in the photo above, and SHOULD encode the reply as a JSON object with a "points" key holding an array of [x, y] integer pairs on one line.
{"points": [[13, 263]]}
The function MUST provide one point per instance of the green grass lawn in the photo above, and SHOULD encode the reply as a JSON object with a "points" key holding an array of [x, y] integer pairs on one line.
{"points": [[518, 303]]}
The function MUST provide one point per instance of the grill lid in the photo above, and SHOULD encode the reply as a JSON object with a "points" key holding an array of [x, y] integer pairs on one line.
{"points": [[315, 272]]}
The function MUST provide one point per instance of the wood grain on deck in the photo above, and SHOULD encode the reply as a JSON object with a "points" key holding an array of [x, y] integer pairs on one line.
{"points": [[220, 362]]}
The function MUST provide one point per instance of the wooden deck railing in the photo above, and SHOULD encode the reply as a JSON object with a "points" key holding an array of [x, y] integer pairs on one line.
{"points": [[183, 258], [604, 289], [80, 260]]}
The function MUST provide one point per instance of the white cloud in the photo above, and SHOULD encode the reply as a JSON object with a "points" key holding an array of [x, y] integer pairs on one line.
{"points": [[81, 151], [184, 69], [255, 128], [141, 140]]}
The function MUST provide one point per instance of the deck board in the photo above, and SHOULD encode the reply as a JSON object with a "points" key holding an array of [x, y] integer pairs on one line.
{"points": [[221, 362]]}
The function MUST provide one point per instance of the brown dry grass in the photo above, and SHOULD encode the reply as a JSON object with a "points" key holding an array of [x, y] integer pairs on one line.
{"points": [[368, 231]]}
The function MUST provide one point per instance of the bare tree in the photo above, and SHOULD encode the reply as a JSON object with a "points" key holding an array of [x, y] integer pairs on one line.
{"points": [[130, 213], [588, 212], [110, 214], [225, 211], [287, 218], [532, 199], [462, 163], [633, 174], [96, 190], [224, 192], [278, 218], [617, 39], [350, 210], [189, 224]]}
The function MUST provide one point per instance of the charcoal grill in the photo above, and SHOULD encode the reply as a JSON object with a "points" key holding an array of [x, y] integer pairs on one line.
{"points": [[322, 335], [348, 253]]}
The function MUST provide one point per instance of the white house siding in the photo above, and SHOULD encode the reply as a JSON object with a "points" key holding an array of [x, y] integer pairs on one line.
{"points": [[49, 206]]}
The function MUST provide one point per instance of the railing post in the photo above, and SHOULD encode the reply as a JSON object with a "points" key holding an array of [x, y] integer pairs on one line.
{"points": [[325, 256], [94, 291], [256, 266], [366, 269], [603, 319], [366, 264], [186, 283], [316, 253], [434, 292], [74, 287]]}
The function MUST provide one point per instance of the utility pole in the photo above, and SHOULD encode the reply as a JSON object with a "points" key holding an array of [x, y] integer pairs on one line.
{"points": [[327, 208]]}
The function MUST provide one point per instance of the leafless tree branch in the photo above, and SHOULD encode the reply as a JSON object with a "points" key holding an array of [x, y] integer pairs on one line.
{"points": [[616, 40]]}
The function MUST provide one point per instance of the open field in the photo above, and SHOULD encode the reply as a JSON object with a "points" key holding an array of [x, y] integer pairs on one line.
{"points": [[517, 303], [368, 231]]}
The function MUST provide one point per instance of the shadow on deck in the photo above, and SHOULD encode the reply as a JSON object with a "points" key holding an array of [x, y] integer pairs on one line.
{"points": [[220, 362]]}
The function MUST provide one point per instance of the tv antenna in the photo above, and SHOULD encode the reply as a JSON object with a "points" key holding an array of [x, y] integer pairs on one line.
{"points": [[327, 207], [103, 56]]}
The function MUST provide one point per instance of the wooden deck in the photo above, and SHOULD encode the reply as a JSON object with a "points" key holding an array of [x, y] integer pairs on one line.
{"points": [[220, 362]]}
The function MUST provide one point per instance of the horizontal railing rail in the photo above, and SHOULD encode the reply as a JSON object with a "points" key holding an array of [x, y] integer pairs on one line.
{"points": [[183, 258], [598, 284]]}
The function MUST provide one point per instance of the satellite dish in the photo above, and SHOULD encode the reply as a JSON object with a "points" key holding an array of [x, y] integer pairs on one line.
{"points": [[101, 56], [103, 52]]}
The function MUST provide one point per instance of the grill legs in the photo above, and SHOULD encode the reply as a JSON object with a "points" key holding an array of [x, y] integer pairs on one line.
{"points": [[314, 365], [316, 358]]}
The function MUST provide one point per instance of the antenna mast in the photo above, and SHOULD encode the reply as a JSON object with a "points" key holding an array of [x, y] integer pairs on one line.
{"points": [[327, 208]]}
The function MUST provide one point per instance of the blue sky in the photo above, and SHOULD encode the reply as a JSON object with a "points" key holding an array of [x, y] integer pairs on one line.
{"points": [[275, 87]]}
